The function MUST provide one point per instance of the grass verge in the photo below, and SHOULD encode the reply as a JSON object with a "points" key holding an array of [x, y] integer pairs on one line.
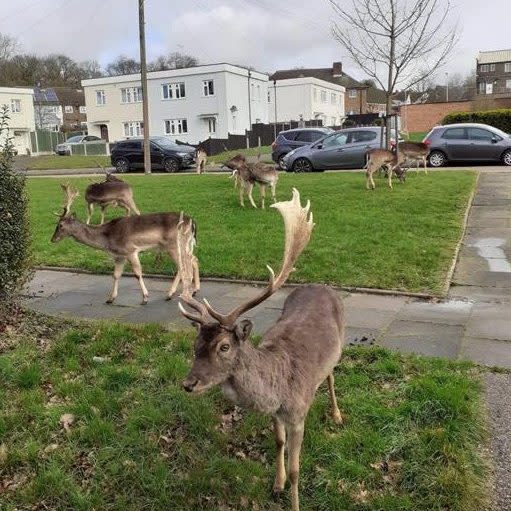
{"points": [[63, 162], [402, 239], [411, 441], [417, 136], [227, 155]]}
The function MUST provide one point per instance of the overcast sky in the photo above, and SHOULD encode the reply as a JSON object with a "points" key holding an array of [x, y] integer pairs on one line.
{"points": [[265, 34]]}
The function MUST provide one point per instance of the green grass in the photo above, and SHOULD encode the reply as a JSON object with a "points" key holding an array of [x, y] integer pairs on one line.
{"points": [[227, 155], [401, 239], [64, 162], [417, 136], [411, 440]]}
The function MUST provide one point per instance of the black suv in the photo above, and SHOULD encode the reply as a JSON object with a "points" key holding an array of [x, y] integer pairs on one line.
{"points": [[288, 140], [165, 154]]}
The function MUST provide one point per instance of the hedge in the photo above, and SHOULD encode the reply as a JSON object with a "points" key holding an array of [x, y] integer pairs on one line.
{"points": [[497, 118]]}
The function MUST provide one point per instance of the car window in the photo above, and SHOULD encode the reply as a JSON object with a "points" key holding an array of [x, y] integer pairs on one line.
{"points": [[480, 134], [305, 136], [316, 135], [132, 144], [362, 136], [289, 135], [335, 140], [76, 138], [455, 134]]}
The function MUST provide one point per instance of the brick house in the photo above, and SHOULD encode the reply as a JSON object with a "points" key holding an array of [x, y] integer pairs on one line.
{"points": [[74, 112], [359, 98], [493, 74]]}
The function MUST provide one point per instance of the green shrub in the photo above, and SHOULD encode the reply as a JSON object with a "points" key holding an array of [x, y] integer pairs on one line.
{"points": [[497, 118], [14, 228]]}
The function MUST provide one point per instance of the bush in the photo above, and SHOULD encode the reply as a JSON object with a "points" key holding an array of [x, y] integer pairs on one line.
{"points": [[14, 228], [497, 118]]}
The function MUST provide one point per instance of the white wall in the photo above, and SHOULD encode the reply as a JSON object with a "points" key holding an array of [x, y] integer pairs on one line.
{"points": [[23, 122]]}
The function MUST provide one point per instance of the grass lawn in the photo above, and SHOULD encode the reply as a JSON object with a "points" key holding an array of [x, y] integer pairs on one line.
{"points": [[64, 162], [417, 136], [227, 155], [411, 441], [401, 239]]}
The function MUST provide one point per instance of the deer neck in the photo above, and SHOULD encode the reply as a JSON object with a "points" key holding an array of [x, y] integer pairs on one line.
{"points": [[257, 381], [88, 235]]}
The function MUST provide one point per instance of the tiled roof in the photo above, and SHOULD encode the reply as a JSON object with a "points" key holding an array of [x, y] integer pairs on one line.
{"points": [[490, 57]]}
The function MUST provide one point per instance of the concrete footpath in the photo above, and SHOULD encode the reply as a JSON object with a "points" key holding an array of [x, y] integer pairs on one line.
{"points": [[474, 322]]}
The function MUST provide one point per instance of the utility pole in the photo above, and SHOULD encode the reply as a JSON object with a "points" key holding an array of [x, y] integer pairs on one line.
{"points": [[249, 102], [275, 104], [446, 87], [143, 76]]}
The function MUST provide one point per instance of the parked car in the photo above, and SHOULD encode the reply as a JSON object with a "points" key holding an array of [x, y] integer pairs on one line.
{"points": [[345, 148], [288, 140], [165, 154], [65, 149], [468, 142]]}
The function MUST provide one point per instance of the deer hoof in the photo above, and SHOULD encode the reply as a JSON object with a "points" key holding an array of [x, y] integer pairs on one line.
{"points": [[144, 301], [168, 298], [110, 300], [338, 418], [277, 492]]}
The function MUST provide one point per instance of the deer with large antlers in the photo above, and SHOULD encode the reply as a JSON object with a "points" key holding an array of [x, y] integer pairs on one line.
{"points": [[124, 238], [281, 376], [110, 192]]}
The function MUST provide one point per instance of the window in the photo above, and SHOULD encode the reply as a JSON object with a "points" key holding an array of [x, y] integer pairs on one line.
{"points": [[362, 136], [269, 96], [304, 136], [68, 109], [83, 110], [508, 84], [455, 134], [258, 93], [352, 93], [483, 68], [335, 140], [15, 105], [133, 129], [212, 125], [323, 96], [333, 98], [208, 87], [176, 126], [131, 95], [492, 67], [481, 87], [100, 97], [173, 90], [315, 94], [507, 67], [479, 134]]}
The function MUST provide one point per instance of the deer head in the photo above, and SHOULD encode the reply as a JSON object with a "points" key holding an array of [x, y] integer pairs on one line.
{"points": [[66, 219], [221, 336]]}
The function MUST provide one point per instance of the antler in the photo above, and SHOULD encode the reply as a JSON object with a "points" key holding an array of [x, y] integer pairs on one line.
{"points": [[70, 195], [298, 225], [185, 261]]}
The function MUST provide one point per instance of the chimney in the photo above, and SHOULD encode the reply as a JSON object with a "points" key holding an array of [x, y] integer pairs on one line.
{"points": [[337, 69]]}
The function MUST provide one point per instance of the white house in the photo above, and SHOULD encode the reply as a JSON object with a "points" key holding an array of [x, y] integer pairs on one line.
{"points": [[20, 103], [306, 98], [189, 104]]}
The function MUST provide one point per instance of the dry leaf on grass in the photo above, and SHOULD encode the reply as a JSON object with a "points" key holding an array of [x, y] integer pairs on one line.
{"points": [[66, 420]]}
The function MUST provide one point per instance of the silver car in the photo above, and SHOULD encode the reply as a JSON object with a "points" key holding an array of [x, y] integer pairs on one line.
{"points": [[65, 149], [343, 149]]}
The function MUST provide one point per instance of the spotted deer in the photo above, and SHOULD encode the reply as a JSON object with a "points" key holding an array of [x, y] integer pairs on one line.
{"points": [[201, 159], [124, 238], [281, 376], [110, 192], [415, 151], [378, 158]]}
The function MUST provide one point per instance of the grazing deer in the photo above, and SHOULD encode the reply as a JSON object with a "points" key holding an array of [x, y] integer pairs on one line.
{"points": [[378, 158], [202, 157], [111, 192], [417, 151], [233, 165], [281, 376], [123, 238]]}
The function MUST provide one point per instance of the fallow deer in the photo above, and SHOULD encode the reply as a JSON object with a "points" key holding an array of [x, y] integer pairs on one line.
{"points": [[378, 158], [201, 159], [416, 151], [123, 238], [281, 376], [233, 165], [110, 192]]}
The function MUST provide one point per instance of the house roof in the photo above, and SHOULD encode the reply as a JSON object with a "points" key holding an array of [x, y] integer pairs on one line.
{"points": [[491, 57], [45, 96], [70, 96], [375, 95]]}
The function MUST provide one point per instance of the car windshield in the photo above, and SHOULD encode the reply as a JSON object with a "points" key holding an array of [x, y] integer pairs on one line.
{"points": [[76, 138], [165, 142]]}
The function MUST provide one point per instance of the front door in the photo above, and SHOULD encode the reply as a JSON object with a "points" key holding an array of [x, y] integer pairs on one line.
{"points": [[104, 132], [455, 143], [329, 151], [483, 145]]}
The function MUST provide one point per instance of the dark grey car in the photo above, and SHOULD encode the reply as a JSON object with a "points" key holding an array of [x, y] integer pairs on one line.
{"points": [[468, 142]]}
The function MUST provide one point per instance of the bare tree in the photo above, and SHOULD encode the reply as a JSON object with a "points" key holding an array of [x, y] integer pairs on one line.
{"points": [[8, 47], [397, 43], [173, 60], [123, 65]]}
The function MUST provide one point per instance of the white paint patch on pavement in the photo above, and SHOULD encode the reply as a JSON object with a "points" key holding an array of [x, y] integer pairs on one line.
{"points": [[489, 249]]}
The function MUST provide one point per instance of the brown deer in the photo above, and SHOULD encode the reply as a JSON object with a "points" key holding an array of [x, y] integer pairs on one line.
{"points": [[233, 165], [123, 238], [281, 376], [417, 151], [378, 158], [201, 159], [110, 192]]}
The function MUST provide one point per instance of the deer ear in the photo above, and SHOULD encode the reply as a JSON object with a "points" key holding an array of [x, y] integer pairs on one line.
{"points": [[243, 329]]}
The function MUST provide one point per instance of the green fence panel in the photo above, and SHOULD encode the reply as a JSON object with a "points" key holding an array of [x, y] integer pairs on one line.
{"points": [[33, 142], [96, 149], [77, 149]]}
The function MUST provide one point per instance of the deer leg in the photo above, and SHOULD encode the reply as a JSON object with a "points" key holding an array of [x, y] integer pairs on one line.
{"points": [[280, 440], [137, 270], [273, 188], [295, 438], [90, 211], [250, 188], [130, 203], [390, 176], [173, 286], [196, 278], [263, 194], [425, 160], [242, 194], [336, 413], [118, 268], [103, 209]]}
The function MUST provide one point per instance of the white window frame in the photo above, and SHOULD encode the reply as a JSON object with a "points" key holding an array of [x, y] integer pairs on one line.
{"points": [[211, 125], [492, 67], [131, 95], [508, 84], [323, 96], [174, 90], [82, 109], [100, 98], [481, 87], [353, 93], [175, 126], [507, 67], [333, 98], [315, 93], [258, 93], [133, 128], [15, 106], [207, 86], [68, 109]]}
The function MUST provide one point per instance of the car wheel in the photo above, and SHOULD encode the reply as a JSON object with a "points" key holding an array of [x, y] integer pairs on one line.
{"points": [[506, 158], [171, 165], [302, 165], [437, 159], [280, 162], [122, 165]]}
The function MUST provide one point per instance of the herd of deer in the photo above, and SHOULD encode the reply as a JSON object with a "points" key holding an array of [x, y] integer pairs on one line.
{"points": [[280, 377]]}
